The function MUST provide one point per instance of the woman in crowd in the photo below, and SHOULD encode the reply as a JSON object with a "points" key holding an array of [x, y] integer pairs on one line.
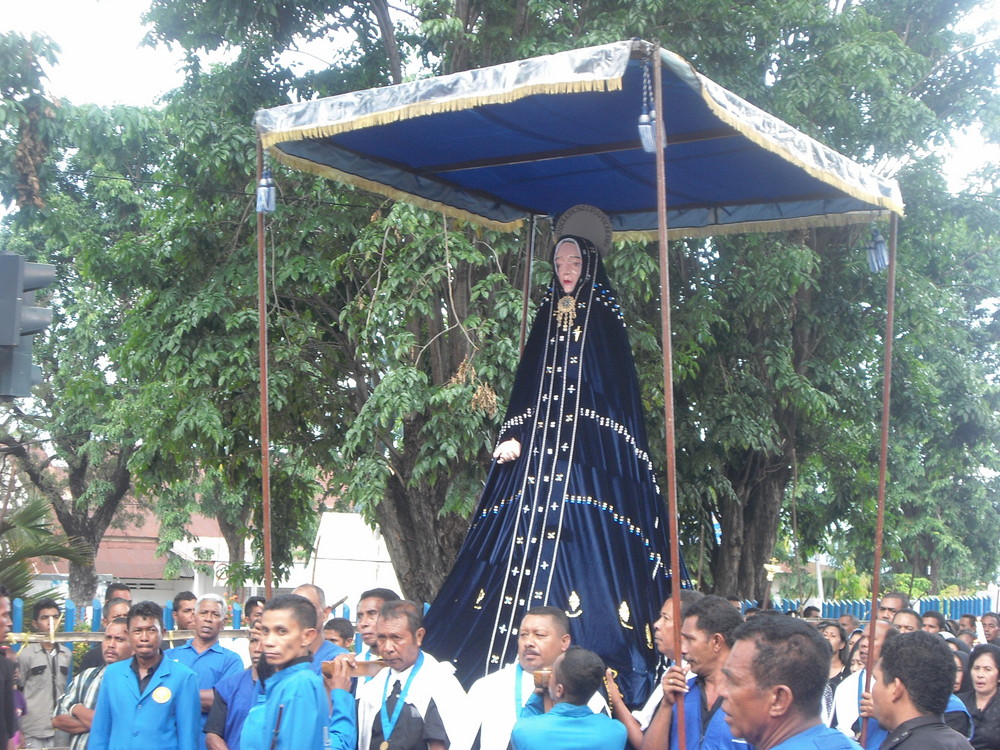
{"points": [[982, 702], [837, 638]]}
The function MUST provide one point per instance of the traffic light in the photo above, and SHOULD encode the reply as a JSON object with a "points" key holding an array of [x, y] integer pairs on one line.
{"points": [[20, 320]]}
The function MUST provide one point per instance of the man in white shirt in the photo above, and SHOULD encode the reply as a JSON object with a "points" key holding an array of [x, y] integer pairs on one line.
{"points": [[417, 703], [847, 699], [496, 699]]}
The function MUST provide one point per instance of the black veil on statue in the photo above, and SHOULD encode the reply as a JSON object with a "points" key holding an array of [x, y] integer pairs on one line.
{"points": [[577, 521]]}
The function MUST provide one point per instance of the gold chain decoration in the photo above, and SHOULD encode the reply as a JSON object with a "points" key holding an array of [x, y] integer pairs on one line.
{"points": [[566, 312]]}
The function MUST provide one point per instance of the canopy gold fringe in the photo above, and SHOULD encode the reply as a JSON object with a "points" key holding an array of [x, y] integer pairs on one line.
{"points": [[436, 106], [756, 136]]}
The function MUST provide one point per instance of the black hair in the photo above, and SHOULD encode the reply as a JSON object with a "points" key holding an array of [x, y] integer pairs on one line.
{"points": [[937, 617], [342, 626], [896, 595], [985, 648], [184, 596], [789, 652], [119, 621], [843, 653], [254, 601], [109, 592], [556, 614], [688, 597], [403, 609], [962, 645], [152, 610], [994, 615], [713, 614], [45, 604], [301, 608], [581, 673], [386, 595], [805, 612], [908, 611], [115, 600], [966, 684], [925, 665]]}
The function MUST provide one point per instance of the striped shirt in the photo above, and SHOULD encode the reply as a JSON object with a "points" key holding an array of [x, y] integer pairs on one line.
{"points": [[83, 690]]}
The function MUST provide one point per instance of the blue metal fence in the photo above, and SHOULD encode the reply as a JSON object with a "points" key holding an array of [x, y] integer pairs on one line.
{"points": [[951, 607]]}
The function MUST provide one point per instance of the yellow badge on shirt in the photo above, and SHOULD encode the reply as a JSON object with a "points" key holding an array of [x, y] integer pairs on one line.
{"points": [[162, 694]]}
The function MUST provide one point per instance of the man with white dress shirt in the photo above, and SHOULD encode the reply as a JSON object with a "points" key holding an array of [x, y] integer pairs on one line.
{"points": [[497, 699], [417, 702]]}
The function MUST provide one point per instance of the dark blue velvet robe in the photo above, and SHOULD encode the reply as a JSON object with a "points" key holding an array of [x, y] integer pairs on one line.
{"points": [[577, 522]]}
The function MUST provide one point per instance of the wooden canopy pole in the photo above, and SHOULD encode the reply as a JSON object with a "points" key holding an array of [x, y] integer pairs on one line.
{"points": [[265, 424], [668, 370], [883, 458], [526, 287]]}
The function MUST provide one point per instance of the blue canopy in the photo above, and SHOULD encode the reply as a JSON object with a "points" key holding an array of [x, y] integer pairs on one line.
{"points": [[535, 137]]}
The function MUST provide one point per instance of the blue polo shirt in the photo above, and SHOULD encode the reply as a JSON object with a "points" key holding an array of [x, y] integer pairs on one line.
{"points": [[819, 737], [211, 665], [567, 727], [705, 727]]}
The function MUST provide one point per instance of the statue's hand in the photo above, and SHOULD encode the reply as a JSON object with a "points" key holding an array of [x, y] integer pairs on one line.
{"points": [[508, 450]]}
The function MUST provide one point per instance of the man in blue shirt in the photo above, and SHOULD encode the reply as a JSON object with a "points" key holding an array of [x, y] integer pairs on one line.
{"points": [[571, 724], [203, 654], [147, 701], [294, 711], [772, 687], [320, 649], [706, 638], [234, 697]]}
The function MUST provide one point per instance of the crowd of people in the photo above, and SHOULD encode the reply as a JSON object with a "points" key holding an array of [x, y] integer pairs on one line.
{"points": [[296, 680]]}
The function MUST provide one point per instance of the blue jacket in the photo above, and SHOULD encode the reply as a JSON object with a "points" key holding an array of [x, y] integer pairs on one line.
{"points": [[298, 695], [165, 716], [567, 727]]}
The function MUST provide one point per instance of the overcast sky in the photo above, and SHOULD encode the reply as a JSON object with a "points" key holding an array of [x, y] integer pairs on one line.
{"points": [[102, 60]]}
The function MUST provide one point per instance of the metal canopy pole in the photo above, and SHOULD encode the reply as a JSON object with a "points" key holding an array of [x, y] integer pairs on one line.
{"points": [[265, 423], [668, 371], [883, 463]]}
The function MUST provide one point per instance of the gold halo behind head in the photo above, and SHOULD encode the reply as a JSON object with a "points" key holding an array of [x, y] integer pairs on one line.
{"points": [[586, 221]]}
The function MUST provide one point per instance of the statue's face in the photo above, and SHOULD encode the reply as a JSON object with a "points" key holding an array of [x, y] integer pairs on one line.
{"points": [[568, 263]]}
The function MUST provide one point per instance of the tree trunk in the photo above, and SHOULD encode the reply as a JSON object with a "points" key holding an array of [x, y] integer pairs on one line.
{"points": [[381, 10], [83, 580], [750, 526], [235, 536], [422, 543]]}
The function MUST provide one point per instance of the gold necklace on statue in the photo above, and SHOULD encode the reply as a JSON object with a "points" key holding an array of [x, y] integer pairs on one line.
{"points": [[566, 312]]}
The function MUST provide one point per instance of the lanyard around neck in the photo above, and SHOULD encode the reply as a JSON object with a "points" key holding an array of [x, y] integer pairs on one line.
{"points": [[388, 724]]}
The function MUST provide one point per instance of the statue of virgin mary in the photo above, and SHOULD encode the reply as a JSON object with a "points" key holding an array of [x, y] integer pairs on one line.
{"points": [[571, 515]]}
